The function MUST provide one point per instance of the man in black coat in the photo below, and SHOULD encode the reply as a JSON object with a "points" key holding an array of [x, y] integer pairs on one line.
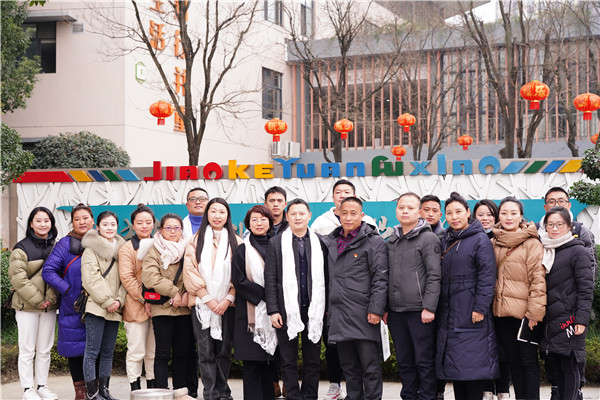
{"points": [[358, 281], [276, 201], [295, 287]]}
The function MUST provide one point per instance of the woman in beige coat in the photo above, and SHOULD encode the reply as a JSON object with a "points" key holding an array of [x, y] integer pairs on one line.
{"points": [[520, 296], [161, 273], [136, 313], [207, 277], [100, 278]]}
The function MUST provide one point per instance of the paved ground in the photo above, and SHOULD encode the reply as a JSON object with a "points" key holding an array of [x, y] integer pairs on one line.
{"points": [[63, 387]]}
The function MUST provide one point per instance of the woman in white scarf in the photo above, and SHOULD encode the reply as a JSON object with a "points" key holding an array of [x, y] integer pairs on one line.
{"points": [[255, 339], [570, 286], [212, 315]]}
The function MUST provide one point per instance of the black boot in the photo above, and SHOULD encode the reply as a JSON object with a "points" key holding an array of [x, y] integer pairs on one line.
{"points": [[91, 388], [150, 384], [135, 385], [103, 388]]}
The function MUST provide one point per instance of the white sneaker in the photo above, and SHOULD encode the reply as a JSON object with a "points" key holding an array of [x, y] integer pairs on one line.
{"points": [[335, 392], [488, 396], [46, 393], [31, 394]]}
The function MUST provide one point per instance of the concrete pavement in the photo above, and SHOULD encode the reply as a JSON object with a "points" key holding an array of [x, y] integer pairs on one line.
{"points": [[119, 388]]}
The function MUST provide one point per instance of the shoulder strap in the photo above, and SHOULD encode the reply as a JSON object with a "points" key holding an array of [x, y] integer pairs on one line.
{"points": [[506, 256], [179, 270], [109, 268], [69, 264], [451, 246]]}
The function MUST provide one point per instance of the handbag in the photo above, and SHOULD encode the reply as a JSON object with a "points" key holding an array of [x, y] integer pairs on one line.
{"points": [[8, 302], [150, 296], [81, 300]]}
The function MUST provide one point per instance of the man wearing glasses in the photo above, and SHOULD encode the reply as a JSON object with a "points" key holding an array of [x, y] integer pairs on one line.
{"points": [[197, 198], [558, 197]]}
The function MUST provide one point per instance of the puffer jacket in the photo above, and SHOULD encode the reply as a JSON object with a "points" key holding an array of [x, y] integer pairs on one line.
{"points": [[71, 331], [521, 284], [466, 350], [194, 283], [414, 269], [570, 289], [155, 277], [96, 259], [130, 272], [25, 272]]}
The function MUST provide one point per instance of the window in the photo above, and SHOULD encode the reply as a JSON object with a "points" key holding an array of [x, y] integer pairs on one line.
{"points": [[271, 95], [274, 11], [306, 18], [43, 44]]}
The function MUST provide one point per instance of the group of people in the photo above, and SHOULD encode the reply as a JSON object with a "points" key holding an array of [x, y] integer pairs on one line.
{"points": [[464, 304]]}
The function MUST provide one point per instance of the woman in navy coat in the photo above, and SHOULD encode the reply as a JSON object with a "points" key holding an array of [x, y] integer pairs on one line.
{"points": [[62, 271], [467, 352]]}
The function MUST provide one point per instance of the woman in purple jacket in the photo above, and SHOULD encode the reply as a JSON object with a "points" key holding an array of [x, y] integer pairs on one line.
{"points": [[62, 271]]}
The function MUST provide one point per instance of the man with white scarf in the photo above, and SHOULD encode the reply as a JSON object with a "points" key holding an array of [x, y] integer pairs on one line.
{"points": [[295, 295]]}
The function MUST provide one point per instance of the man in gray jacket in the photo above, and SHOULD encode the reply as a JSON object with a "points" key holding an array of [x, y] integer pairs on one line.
{"points": [[414, 255], [357, 261]]}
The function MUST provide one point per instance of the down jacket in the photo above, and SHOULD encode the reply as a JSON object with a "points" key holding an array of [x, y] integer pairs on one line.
{"points": [[358, 283], [570, 289], [521, 285], [71, 331], [130, 272], [25, 269], [466, 350], [96, 259], [415, 269]]}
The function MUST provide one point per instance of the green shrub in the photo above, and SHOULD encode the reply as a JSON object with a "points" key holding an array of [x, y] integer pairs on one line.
{"points": [[8, 315], [14, 159]]}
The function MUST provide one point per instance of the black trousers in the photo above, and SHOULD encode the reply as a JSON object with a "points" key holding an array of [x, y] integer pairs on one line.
{"points": [[362, 367], [522, 358], [311, 356], [258, 380], [415, 354], [468, 390], [568, 377], [174, 334], [334, 369], [76, 368]]}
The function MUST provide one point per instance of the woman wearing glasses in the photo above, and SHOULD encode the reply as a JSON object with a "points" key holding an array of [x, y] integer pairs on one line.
{"points": [[161, 273], [569, 291]]}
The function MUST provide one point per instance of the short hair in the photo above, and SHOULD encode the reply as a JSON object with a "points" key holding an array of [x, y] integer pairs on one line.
{"points": [[193, 190], [512, 199], [431, 197], [53, 231], [262, 210], [297, 201], [275, 189], [140, 209], [455, 197], [491, 206], [563, 212], [344, 182], [106, 214], [556, 189], [81, 206], [413, 194], [352, 199], [170, 216]]}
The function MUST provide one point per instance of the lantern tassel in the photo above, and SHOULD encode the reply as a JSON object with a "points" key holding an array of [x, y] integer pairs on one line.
{"points": [[587, 116], [534, 105], [161, 121], [276, 138], [406, 128], [344, 135]]}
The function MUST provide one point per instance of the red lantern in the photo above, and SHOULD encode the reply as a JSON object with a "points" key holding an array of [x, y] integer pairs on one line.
{"points": [[275, 127], [465, 141], [398, 151], [535, 91], [343, 126], [406, 120], [161, 110], [594, 139], [587, 102]]}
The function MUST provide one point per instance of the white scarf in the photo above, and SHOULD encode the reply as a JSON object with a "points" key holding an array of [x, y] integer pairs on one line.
{"points": [[550, 245], [217, 277], [264, 333], [316, 309], [170, 252]]}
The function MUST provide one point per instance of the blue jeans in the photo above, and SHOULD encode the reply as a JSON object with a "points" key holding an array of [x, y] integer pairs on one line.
{"points": [[101, 336]]}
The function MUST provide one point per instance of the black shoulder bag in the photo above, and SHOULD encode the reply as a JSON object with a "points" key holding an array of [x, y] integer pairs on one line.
{"points": [[150, 296], [81, 300]]}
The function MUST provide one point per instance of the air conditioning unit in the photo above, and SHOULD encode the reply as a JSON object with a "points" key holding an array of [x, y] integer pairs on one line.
{"points": [[285, 150]]}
